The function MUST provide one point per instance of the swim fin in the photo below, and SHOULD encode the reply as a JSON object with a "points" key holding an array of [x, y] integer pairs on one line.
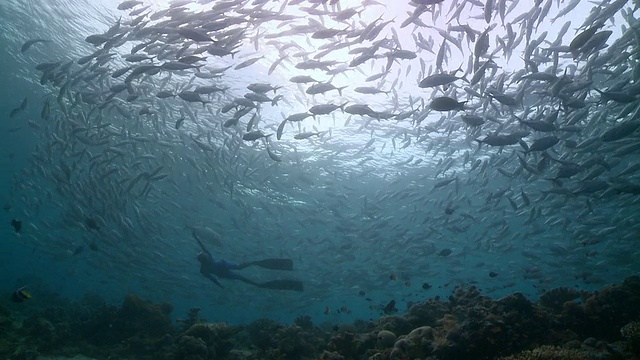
{"points": [[275, 264], [294, 285]]}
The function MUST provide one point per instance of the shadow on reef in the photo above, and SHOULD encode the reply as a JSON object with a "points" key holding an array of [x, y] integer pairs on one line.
{"points": [[563, 324]]}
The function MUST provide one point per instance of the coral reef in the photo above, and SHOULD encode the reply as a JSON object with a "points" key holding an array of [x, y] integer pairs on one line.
{"points": [[191, 348], [563, 324], [556, 298], [604, 313], [551, 353], [278, 341], [352, 345], [261, 333], [395, 324], [193, 318], [427, 312], [141, 318], [214, 337], [631, 334], [418, 343]]}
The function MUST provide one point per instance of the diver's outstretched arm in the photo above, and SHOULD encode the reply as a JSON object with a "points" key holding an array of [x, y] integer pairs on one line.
{"points": [[212, 278], [204, 249]]}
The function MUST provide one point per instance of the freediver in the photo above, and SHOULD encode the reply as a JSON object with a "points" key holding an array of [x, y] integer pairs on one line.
{"points": [[213, 269]]}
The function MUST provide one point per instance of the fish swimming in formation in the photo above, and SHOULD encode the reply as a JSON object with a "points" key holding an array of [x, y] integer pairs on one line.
{"points": [[31, 42], [306, 135], [321, 88], [445, 103], [128, 4], [325, 109], [254, 135], [21, 108], [195, 35], [438, 80], [559, 118], [543, 144], [302, 79], [621, 130], [472, 120]]}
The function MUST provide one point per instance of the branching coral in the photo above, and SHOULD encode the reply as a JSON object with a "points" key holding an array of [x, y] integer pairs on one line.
{"points": [[631, 333]]}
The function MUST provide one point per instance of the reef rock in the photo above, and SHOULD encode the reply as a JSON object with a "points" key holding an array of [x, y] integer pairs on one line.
{"points": [[631, 333], [191, 348], [214, 336], [141, 318], [385, 339], [603, 314], [555, 299]]}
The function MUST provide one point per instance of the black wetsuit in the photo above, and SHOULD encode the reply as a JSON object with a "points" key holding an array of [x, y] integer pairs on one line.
{"points": [[222, 269]]}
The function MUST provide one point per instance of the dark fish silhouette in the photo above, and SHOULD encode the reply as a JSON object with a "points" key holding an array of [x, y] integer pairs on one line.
{"points": [[445, 103], [31, 42], [445, 252], [92, 223], [17, 225]]}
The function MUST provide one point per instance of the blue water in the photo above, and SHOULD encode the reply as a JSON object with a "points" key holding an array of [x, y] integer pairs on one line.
{"points": [[354, 218]]}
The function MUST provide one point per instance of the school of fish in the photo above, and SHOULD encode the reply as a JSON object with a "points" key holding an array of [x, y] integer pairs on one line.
{"points": [[448, 142]]}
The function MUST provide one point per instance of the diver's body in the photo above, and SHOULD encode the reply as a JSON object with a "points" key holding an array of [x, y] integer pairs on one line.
{"points": [[213, 269], [221, 269]]}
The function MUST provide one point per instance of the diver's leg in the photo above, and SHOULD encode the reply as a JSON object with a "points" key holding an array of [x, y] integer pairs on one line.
{"points": [[244, 265], [273, 264], [232, 265], [233, 276]]}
